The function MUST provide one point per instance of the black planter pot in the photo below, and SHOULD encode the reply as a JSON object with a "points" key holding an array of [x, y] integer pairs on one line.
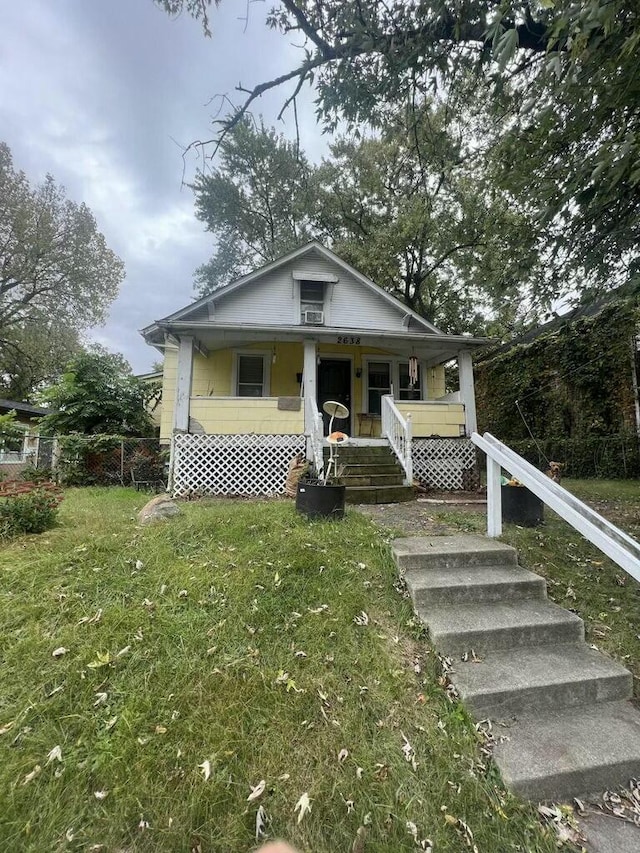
{"points": [[520, 506], [318, 501]]}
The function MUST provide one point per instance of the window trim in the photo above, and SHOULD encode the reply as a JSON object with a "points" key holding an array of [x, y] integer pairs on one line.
{"points": [[329, 282], [266, 372]]}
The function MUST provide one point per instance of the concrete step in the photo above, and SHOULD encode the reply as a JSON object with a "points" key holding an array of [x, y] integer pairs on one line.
{"points": [[573, 752], [448, 552], [394, 479], [363, 454], [518, 681], [379, 494], [475, 584], [456, 629], [358, 469]]}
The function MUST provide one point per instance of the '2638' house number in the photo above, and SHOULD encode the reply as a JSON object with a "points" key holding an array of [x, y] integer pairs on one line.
{"points": [[348, 339]]}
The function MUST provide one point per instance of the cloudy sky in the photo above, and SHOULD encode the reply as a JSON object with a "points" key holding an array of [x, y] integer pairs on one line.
{"points": [[102, 94]]}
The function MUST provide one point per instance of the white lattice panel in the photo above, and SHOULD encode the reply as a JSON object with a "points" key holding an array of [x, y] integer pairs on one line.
{"points": [[444, 463], [233, 464]]}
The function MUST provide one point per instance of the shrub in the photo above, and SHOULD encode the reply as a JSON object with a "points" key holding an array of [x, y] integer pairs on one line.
{"points": [[31, 474], [27, 507]]}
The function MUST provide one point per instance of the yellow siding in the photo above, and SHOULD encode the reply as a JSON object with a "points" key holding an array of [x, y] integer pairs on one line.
{"points": [[430, 419], [169, 376], [435, 382], [240, 416]]}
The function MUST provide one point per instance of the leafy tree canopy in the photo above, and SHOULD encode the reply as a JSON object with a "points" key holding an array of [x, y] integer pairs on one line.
{"points": [[562, 86], [406, 206], [98, 393], [57, 277]]}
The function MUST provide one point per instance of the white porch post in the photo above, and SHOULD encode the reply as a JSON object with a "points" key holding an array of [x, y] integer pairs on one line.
{"points": [[183, 384], [309, 390], [467, 391], [494, 499]]}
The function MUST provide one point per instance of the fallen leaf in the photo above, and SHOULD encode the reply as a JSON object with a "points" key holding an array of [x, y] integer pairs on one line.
{"points": [[206, 769], [161, 730], [54, 755], [69, 834], [261, 822], [139, 565], [284, 777], [359, 772], [101, 795], [57, 653], [101, 698], [111, 723], [101, 659], [30, 776], [303, 806], [257, 791], [7, 727], [361, 619], [343, 755]]}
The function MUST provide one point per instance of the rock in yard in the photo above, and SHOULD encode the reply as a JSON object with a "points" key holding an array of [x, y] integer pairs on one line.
{"points": [[157, 509]]}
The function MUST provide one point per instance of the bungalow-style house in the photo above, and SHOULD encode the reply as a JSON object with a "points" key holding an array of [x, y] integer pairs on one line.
{"points": [[18, 451], [248, 368]]}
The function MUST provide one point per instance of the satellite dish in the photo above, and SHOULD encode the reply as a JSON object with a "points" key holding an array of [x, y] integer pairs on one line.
{"points": [[335, 410]]}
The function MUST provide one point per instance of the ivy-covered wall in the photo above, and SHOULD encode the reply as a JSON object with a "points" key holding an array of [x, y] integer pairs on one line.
{"points": [[574, 387]]}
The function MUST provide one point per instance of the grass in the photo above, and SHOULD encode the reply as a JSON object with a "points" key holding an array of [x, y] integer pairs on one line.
{"points": [[579, 576], [223, 643]]}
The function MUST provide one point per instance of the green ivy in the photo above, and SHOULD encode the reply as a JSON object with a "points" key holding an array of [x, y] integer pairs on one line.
{"points": [[574, 389]]}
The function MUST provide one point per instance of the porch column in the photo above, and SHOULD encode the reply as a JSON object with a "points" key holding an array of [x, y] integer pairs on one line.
{"points": [[309, 389], [467, 391], [183, 384]]}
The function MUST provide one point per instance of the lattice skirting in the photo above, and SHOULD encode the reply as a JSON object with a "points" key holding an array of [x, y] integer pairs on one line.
{"points": [[233, 464], [445, 463]]}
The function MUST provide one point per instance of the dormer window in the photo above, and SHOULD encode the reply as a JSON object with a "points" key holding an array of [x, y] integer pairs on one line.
{"points": [[312, 295]]}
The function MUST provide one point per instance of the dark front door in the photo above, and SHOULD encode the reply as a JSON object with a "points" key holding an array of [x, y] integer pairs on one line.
{"points": [[334, 383]]}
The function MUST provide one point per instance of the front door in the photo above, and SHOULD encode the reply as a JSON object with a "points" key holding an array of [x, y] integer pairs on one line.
{"points": [[334, 383]]}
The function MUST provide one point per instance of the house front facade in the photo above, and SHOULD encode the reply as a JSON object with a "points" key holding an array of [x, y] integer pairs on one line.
{"points": [[25, 447], [248, 369]]}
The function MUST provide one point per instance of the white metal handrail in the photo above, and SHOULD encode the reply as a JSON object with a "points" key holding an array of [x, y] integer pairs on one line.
{"points": [[316, 434], [398, 430], [612, 541]]}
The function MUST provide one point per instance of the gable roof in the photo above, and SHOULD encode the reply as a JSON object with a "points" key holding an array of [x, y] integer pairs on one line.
{"points": [[314, 245]]}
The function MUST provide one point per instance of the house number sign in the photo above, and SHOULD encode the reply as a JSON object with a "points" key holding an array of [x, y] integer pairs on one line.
{"points": [[348, 339]]}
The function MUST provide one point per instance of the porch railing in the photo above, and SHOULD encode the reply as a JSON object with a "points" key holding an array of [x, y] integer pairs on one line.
{"points": [[316, 434], [398, 431], [622, 549]]}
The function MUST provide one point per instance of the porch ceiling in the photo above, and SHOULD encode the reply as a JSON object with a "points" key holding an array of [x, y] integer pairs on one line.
{"points": [[431, 348]]}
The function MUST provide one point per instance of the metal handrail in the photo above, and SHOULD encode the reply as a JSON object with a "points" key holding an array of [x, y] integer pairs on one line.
{"points": [[398, 431], [612, 541]]}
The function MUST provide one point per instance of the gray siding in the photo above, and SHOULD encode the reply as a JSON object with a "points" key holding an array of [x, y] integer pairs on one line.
{"points": [[272, 300]]}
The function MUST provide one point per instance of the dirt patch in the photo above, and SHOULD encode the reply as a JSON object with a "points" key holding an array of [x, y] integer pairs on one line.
{"points": [[417, 518]]}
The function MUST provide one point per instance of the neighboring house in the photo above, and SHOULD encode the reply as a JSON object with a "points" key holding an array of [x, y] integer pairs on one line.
{"points": [[16, 453], [248, 368]]}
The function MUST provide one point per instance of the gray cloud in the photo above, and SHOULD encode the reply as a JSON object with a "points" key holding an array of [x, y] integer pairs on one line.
{"points": [[102, 95]]}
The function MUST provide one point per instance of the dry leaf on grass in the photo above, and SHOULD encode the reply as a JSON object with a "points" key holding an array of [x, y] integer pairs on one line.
{"points": [[261, 823], [343, 755], [205, 767], [257, 791], [302, 806], [101, 795], [32, 775], [59, 652], [54, 755], [7, 727], [361, 619]]}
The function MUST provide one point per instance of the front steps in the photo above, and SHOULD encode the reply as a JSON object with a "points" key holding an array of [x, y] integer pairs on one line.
{"points": [[372, 475], [565, 728]]}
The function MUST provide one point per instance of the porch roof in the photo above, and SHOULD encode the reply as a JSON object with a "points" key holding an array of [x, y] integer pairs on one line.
{"points": [[434, 348]]}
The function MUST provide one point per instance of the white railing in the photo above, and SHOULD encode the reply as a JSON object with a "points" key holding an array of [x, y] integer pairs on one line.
{"points": [[315, 429], [398, 431], [622, 549]]}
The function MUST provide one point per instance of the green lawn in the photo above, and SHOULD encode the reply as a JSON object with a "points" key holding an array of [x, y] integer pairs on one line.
{"points": [[239, 643]]}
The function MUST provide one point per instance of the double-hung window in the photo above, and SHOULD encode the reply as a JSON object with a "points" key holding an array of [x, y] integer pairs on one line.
{"points": [[251, 376], [312, 302], [379, 378]]}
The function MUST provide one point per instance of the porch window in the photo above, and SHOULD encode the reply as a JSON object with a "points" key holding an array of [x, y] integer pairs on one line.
{"points": [[379, 378], [251, 376], [406, 390]]}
